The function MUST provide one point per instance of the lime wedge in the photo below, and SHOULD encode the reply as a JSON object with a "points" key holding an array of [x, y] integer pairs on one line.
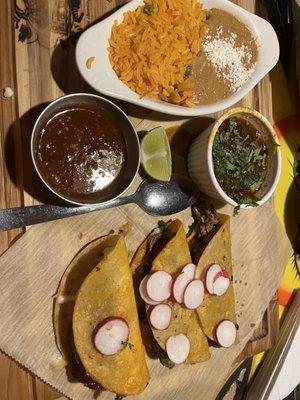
{"points": [[156, 154]]}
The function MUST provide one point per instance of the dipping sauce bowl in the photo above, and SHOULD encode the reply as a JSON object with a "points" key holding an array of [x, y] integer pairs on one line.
{"points": [[85, 149], [201, 164]]}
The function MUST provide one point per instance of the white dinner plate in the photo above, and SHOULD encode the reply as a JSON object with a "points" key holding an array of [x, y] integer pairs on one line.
{"points": [[94, 43]]}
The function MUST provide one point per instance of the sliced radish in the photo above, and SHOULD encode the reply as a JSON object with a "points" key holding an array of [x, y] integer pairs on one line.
{"points": [[223, 273], [160, 316], [111, 335], [220, 285], [226, 333], [194, 294], [189, 269], [179, 285], [209, 277], [159, 286], [143, 292], [178, 348]]}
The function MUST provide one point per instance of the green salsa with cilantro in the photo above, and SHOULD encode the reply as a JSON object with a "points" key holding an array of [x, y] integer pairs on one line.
{"points": [[240, 159]]}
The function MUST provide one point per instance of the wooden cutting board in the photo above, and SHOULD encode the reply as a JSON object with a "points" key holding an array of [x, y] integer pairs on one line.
{"points": [[43, 63], [32, 268]]}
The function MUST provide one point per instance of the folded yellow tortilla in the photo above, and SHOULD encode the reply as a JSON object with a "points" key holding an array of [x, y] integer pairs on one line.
{"points": [[216, 308], [174, 256], [81, 265], [107, 290]]}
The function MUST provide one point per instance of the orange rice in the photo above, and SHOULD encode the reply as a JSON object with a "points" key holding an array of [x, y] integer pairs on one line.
{"points": [[150, 52]]}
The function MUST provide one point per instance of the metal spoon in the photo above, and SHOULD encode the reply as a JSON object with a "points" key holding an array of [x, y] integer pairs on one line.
{"points": [[154, 197]]}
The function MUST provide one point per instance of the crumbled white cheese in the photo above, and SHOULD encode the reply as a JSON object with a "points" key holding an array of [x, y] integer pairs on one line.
{"points": [[228, 59]]}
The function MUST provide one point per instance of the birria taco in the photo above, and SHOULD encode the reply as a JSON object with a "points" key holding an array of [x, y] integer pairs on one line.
{"points": [[187, 304], [219, 307], [183, 324], [103, 319]]}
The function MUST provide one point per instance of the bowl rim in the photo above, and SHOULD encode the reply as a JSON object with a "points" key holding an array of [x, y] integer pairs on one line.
{"points": [[271, 131], [34, 133], [257, 25]]}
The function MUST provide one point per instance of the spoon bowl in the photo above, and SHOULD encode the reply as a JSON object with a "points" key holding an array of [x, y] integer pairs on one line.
{"points": [[166, 198]]}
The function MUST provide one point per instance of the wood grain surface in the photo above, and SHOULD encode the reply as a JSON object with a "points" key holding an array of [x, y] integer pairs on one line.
{"points": [[38, 39]]}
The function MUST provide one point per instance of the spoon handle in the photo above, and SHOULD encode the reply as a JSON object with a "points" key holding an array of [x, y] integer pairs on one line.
{"points": [[18, 217]]}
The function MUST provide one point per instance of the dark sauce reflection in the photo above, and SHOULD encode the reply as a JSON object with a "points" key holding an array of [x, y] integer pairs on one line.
{"points": [[81, 153]]}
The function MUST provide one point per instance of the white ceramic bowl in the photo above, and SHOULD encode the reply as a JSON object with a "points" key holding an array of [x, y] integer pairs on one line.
{"points": [[94, 43], [200, 161]]}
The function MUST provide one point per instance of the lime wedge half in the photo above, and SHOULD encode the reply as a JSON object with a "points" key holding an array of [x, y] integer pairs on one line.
{"points": [[156, 154]]}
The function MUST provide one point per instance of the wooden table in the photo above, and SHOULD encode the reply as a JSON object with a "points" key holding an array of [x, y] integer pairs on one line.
{"points": [[35, 49]]}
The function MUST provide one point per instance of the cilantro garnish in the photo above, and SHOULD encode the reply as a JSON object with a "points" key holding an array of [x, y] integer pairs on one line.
{"points": [[162, 226], [161, 355], [164, 359], [240, 156], [247, 203], [188, 71], [207, 13], [236, 210], [149, 9], [127, 343]]}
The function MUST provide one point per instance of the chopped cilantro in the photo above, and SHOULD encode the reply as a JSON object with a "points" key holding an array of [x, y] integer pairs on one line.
{"points": [[164, 359], [240, 157], [188, 71], [207, 13], [236, 210], [149, 9], [250, 203], [247, 203], [127, 343], [162, 355], [162, 225], [232, 124]]}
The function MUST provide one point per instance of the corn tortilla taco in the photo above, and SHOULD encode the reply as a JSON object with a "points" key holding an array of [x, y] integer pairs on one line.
{"points": [[172, 258], [214, 309], [81, 265], [100, 278]]}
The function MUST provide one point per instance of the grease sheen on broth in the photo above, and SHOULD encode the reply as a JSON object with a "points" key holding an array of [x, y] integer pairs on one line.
{"points": [[81, 153]]}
